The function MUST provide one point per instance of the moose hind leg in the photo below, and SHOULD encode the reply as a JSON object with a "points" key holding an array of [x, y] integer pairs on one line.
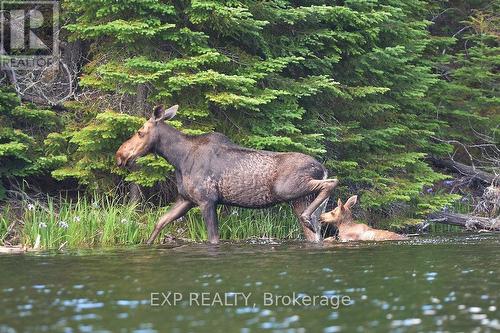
{"points": [[180, 207], [315, 216], [209, 213], [324, 189], [298, 207]]}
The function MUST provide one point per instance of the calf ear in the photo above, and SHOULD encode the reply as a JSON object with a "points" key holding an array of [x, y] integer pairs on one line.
{"points": [[160, 114], [351, 201], [339, 203]]}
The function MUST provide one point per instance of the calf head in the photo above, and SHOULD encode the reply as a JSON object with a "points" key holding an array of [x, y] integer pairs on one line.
{"points": [[145, 139], [341, 214]]}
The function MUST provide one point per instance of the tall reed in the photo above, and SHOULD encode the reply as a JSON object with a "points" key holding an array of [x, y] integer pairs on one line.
{"points": [[4, 224], [101, 221]]}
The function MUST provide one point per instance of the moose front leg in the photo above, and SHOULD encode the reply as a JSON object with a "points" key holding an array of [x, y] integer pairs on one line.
{"points": [[209, 213], [180, 207]]}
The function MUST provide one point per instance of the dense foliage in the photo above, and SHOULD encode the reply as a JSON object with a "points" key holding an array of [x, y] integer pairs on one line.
{"points": [[364, 86], [467, 62], [22, 129]]}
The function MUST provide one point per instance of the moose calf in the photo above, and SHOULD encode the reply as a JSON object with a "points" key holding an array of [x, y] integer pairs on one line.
{"points": [[348, 230]]}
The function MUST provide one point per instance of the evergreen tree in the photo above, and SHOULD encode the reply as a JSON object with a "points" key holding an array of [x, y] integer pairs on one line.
{"points": [[465, 53], [345, 81], [22, 129]]}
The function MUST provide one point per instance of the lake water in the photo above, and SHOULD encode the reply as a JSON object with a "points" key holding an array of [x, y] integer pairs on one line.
{"points": [[431, 283]]}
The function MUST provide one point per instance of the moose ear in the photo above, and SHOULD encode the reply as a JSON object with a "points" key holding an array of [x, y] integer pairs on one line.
{"points": [[351, 201], [339, 203], [160, 114]]}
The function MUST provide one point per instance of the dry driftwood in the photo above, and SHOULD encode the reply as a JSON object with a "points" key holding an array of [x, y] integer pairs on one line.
{"points": [[469, 222], [13, 249]]}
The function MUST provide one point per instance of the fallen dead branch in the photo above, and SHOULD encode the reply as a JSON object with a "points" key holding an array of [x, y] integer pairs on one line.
{"points": [[463, 169], [468, 222]]}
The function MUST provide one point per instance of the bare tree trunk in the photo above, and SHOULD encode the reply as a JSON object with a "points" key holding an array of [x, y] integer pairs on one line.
{"points": [[140, 101], [135, 193]]}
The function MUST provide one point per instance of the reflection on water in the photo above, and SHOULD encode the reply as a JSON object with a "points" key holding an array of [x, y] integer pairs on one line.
{"points": [[427, 284]]}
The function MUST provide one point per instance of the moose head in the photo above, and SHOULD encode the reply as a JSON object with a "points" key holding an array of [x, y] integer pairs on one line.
{"points": [[145, 139], [341, 214]]}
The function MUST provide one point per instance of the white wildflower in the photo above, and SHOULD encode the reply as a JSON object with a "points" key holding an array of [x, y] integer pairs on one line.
{"points": [[42, 225], [31, 206], [63, 224], [76, 218]]}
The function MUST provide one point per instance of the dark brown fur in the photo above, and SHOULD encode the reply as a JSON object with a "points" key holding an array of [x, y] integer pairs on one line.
{"points": [[211, 170], [348, 230]]}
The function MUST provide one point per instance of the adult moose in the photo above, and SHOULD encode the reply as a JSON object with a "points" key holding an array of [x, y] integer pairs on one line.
{"points": [[211, 170]]}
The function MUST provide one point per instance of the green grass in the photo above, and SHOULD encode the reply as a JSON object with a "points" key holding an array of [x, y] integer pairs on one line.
{"points": [[85, 223], [4, 224], [237, 224], [104, 222], [437, 228]]}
